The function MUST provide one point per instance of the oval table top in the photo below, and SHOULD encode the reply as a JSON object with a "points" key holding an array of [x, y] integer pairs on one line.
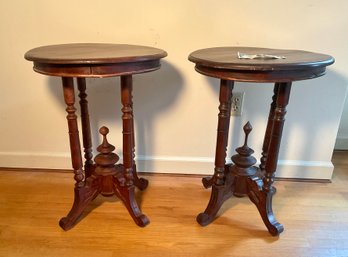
{"points": [[94, 59], [260, 64]]}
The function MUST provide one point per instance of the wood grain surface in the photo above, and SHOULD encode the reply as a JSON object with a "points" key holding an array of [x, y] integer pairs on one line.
{"points": [[227, 58], [93, 53], [83, 60]]}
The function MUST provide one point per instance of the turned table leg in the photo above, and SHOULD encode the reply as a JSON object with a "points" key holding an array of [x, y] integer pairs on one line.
{"points": [[132, 180], [86, 127], [282, 100], [269, 128], [75, 148], [126, 94], [220, 192], [261, 192], [82, 195]]}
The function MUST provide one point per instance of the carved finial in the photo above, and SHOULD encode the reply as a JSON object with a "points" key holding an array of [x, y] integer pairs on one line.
{"points": [[106, 159], [247, 129], [105, 164], [243, 164], [244, 158], [104, 131], [105, 147]]}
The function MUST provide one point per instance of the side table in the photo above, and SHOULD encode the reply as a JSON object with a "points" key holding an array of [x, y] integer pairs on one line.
{"points": [[103, 176], [247, 64]]}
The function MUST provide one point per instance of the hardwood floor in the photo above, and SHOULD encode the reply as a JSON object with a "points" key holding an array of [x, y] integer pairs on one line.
{"points": [[315, 216]]}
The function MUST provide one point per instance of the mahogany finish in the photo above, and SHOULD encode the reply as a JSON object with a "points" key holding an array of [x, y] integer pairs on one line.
{"points": [[223, 63], [103, 176], [242, 177], [94, 60]]}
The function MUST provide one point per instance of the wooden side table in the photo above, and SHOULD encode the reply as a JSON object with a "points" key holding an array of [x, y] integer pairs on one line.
{"points": [[103, 176], [230, 64]]}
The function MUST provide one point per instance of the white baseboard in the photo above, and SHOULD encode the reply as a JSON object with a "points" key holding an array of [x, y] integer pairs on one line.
{"points": [[205, 166], [167, 164], [35, 160], [341, 143]]}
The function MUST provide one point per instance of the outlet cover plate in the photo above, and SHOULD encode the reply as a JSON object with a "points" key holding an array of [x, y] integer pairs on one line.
{"points": [[237, 104]]}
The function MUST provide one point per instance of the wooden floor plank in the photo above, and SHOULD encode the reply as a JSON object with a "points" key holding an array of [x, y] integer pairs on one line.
{"points": [[315, 216]]}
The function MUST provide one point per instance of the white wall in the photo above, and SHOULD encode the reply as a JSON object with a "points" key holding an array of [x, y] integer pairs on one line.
{"points": [[342, 135], [175, 107]]}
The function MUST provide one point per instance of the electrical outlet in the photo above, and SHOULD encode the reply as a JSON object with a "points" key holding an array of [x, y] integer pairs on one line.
{"points": [[237, 104]]}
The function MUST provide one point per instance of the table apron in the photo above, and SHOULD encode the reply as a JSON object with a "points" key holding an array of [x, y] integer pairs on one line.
{"points": [[266, 76], [96, 70]]}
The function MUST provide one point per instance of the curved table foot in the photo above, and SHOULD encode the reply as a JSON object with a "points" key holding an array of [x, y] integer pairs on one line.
{"points": [[219, 194], [82, 197], [127, 195], [215, 202], [262, 198]]}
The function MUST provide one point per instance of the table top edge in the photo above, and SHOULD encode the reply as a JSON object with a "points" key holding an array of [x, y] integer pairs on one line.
{"points": [[149, 53], [239, 64]]}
